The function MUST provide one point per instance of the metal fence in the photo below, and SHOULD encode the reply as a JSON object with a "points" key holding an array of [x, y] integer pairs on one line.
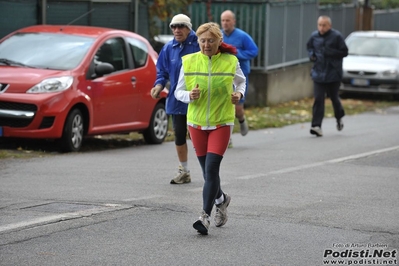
{"points": [[386, 19], [280, 28], [120, 14]]}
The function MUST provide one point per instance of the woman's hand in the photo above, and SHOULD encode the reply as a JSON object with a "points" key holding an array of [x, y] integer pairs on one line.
{"points": [[195, 93], [236, 97]]}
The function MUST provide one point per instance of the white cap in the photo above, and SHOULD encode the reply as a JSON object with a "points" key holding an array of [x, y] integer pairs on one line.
{"points": [[181, 19]]}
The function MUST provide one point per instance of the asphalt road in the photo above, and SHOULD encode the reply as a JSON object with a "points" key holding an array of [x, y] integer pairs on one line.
{"points": [[296, 200]]}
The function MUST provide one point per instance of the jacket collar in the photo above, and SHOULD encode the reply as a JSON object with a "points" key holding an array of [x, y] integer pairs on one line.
{"points": [[325, 34], [189, 40]]}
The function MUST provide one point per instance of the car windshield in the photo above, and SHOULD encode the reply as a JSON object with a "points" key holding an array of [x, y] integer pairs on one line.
{"points": [[44, 50], [373, 46]]}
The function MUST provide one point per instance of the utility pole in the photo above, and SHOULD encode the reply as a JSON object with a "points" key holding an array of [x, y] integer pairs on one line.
{"points": [[364, 16], [43, 19]]}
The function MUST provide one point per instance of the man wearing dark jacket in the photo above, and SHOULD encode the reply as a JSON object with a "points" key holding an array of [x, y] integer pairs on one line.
{"points": [[326, 48]]}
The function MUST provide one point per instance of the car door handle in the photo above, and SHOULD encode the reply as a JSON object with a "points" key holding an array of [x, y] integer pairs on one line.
{"points": [[134, 82]]}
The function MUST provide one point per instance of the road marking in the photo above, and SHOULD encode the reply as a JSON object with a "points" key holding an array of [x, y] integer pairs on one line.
{"points": [[312, 165], [142, 198], [63, 217], [37, 221]]}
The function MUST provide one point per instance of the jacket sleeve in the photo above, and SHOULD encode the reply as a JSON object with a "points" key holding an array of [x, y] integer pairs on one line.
{"points": [[338, 52], [162, 67], [181, 92], [310, 48], [239, 80], [250, 49]]}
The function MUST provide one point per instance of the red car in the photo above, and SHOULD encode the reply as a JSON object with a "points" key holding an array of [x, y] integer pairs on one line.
{"points": [[67, 82]]}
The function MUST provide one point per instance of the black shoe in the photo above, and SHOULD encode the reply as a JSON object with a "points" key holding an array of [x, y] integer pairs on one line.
{"points": [[340, 124], [316, 131]]}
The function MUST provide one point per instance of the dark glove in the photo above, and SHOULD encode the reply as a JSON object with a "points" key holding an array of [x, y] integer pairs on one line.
{"points": [[313, 58]]}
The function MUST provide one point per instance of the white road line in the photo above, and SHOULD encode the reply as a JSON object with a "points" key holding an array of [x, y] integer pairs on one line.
{"points": [[361, 155], [306, 166], [62, 217], [41, 220], [142, 198]]}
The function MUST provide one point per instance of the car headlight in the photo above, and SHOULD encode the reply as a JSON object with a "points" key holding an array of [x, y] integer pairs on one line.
{"points": [[390, 73], [52, 85]]}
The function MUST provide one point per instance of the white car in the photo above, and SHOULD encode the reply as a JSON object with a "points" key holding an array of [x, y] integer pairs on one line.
{"points": [[372, 66]]}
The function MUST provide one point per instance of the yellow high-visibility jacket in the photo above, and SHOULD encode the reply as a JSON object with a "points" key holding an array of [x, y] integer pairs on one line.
{"points": [[215, 77]]}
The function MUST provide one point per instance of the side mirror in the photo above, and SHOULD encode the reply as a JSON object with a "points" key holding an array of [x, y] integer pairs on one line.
{"points": [[103, 69]]}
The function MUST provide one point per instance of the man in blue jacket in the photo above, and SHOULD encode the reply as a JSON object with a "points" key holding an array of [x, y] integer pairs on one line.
{"points": [[326, 48], [168, 69], [246, 50]]}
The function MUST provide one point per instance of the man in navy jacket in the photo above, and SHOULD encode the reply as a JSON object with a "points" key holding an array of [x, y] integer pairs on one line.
{"points": [[326, 48]]}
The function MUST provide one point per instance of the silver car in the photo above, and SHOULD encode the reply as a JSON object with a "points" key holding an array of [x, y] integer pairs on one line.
{"points": [[372, 66]]}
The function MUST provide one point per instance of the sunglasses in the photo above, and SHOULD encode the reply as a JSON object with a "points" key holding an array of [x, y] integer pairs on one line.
{"points": [[177, 26]]}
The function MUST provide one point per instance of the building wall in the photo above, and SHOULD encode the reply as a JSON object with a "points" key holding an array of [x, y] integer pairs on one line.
{"points": [[267, 88]]}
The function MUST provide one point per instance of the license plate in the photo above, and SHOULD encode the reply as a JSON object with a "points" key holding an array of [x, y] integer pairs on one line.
{"points": [[360, 82], [1, 131]]}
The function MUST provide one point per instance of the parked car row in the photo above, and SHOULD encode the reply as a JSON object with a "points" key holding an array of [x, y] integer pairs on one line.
{"points": [[68, 82], [372, 66]]}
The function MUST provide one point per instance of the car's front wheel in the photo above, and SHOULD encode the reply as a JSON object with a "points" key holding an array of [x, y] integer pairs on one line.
{"points": [[72, 136], [158, 128]]}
